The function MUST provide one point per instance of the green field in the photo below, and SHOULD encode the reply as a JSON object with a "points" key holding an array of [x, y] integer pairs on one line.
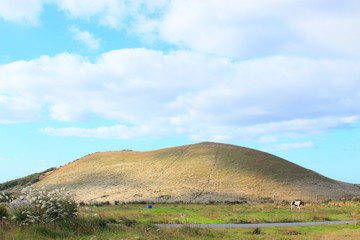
{"points": [[135, 221], [245, 213]]}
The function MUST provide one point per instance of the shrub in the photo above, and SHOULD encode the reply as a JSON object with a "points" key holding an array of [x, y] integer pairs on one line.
{"points": [[293, 232], [41, 206], [191, 231], [128, 222], [6, 197], [202, 233], [356, 199], [21, 211], [256, 231], [97, 203], [33, 178], [3, 212], [320, 217]]}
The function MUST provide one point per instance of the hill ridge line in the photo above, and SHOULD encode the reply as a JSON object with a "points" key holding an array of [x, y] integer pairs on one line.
{"points": [[185, 174]]}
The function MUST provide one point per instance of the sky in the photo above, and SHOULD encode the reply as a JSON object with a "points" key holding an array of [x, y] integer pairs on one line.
{"points": [[79, 76]]}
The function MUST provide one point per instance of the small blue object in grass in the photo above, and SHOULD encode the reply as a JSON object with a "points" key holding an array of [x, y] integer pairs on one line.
{"points": [[149, 206]]}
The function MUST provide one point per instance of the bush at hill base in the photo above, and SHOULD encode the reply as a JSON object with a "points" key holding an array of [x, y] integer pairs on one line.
{"points": [[42, 206], [6, 197], [4, 214]]}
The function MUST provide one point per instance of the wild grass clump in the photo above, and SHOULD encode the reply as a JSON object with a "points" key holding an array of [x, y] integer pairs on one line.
{"points": [[95, 203], [4, 213], [320, 217], [6, 197], [356, 199], [128, 222], [293, 232], [41, 206], [187, 231], [256, 231], [74, 228]]}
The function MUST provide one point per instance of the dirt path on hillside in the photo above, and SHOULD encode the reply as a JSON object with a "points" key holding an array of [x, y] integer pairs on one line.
{"points": [[254, 225]]}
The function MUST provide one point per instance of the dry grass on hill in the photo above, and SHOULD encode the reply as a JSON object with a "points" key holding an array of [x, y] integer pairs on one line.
{"points": [[201, 172]]}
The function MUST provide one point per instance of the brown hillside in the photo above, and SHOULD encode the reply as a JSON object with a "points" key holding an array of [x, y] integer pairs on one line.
{"points": [[193, 173]]}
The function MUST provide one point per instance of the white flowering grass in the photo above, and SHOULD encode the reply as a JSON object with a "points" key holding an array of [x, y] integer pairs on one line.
{"points": [[42, 206], [6, 197]]}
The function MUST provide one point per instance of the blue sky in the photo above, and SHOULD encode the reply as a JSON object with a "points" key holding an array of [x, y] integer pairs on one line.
{"points": [[78, 77]]}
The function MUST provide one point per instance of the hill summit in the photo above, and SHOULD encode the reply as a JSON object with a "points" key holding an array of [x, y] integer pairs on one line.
{"points": [[203, 172]]}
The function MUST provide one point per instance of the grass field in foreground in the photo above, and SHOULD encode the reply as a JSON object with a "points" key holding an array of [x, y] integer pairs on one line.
{"points": [[80, 230], [220, 213], [135, 221]]}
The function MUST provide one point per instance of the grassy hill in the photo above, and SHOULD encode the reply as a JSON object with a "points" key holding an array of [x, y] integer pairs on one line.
{"points": [[201, 172], [20, 183]]}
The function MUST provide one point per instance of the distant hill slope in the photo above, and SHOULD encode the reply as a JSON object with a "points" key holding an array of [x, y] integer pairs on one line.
{"points": [[20, 183], [193, 173]]}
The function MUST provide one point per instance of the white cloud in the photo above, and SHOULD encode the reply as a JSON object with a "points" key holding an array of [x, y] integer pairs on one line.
{"points": [[239, 29], [267, 139], [5, 159], [20, 11], [18, 109], [297, 128], [288, 146], [66, 112], [334, 31], [183, 93], [311, 126], [86, 38], [113, 14], [247, 29], [110, 12], [118, 131]]}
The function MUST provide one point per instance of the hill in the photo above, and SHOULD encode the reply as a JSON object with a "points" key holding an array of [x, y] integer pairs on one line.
{"points": [[202, 172], [19, 183]]}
